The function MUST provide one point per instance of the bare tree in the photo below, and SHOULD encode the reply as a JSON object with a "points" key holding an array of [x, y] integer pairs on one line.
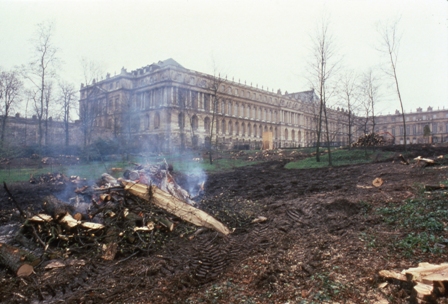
{"points": [[10, 90], [41, 70], [390, 43], [371, 90], [322, 67], [67, 94], [48, 97], [92, 70], [349, 94], [215, 83]]}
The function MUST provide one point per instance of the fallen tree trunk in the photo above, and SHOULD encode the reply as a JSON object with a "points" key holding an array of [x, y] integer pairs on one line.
{"points": [[424, 161], [18, 260], [175, 206]]}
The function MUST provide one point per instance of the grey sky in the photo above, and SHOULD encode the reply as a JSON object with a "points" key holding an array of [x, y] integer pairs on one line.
{"points": [[260, 42]]}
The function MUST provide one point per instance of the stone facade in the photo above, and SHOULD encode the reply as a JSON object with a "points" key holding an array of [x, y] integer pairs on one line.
{"points": [[24, 132], [167, 106], [434, 121]]}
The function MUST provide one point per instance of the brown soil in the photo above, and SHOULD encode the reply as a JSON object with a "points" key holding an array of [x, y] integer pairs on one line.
{"points": [[313, 248]]}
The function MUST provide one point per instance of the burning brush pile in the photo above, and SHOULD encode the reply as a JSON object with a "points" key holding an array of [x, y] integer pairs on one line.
{"points": [[137, 213]]}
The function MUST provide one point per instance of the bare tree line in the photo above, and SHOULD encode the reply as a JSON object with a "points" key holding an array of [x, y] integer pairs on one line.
{"points": [[358, 92], [49, 95]]}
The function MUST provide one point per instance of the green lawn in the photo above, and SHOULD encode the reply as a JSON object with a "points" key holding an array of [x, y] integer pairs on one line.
{"points": [[185, 164], [93, 170]]}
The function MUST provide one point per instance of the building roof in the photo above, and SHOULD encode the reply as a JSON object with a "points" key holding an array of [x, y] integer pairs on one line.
{"points": [[169, 62]]}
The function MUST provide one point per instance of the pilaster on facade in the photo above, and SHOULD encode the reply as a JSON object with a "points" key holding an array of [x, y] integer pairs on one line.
{"points": [[165, 100]]}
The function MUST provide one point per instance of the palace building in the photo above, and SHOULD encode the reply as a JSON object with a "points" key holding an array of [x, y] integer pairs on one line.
{"points": [[430, 126], [167, 106]]}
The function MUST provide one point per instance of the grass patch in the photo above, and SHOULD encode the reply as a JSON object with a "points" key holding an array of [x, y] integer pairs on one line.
{"points": [[424, 222], [339, 158], [93, 170]]}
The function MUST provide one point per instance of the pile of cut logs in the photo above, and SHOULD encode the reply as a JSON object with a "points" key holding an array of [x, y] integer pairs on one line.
{"points": [[136, 213], [430, 281], [370, 140]]}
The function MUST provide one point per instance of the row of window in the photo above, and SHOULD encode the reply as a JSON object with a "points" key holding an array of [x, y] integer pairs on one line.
{"points": [[434, 128]]}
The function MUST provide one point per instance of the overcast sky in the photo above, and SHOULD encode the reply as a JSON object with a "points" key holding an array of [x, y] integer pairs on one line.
{"points": [[260, 42]]}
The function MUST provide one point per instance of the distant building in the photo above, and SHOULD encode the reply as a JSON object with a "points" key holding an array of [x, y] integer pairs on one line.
{"points": [[167, 106], [25, 132], [434, 121]]}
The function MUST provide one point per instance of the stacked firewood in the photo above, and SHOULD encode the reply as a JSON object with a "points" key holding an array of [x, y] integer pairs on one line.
{"points": [[370, 140]]}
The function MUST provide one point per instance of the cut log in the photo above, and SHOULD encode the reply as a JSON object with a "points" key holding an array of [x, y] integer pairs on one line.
{"points": [[393, 275], [435, 187], [92, 226], [69, 221], [404, 160], [377, 182], [175, 206], [110, 250], [132, 218], [56, 207], [78, 216], [424, 161], [40, 218], [430, 281], [166, 223], [18, 260]]}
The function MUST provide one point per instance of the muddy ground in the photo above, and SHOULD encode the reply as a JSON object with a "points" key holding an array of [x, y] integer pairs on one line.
{"points": [[322, 242]]}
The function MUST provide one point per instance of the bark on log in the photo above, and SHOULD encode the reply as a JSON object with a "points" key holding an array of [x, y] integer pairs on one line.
{"points": [[435, 187], [431, 281], [404, 160], [175, 206], [56, 207], [166, 223], [18, 260]]}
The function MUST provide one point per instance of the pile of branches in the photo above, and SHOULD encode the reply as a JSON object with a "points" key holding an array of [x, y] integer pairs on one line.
{"points": [[113, 218], [370, 140]]}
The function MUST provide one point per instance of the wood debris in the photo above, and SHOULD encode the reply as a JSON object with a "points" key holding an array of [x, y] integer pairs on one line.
{"points": [[370, 140], [18, 260], [431, 281], [377, 182]]}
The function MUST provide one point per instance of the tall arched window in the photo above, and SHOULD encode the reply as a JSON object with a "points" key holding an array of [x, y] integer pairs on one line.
{"points": [[207, 124], [181, 120], [194, 122], [147, 121], [286, 134], [156, 121], [223, 127]]}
